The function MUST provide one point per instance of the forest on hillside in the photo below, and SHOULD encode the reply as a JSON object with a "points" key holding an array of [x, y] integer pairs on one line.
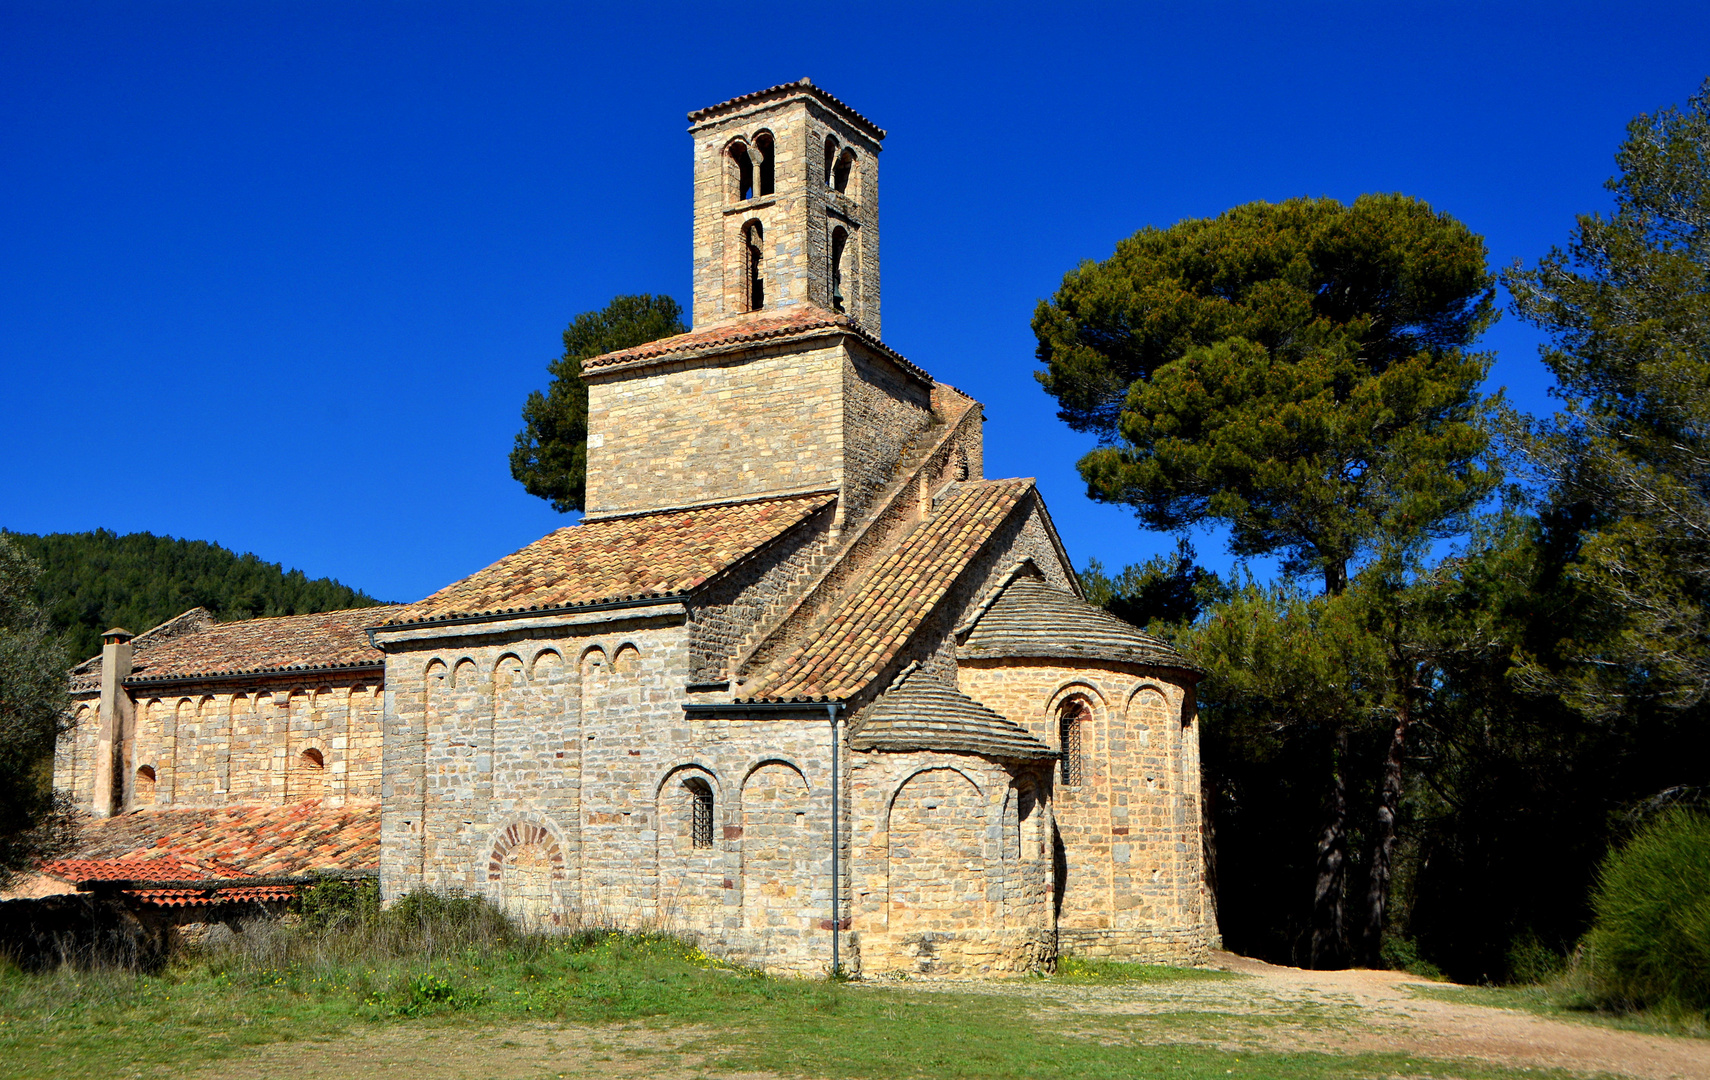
{"points": [[91, 581]]}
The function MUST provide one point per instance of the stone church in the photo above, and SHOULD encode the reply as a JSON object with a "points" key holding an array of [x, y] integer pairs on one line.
{"points": [[802, 675]]}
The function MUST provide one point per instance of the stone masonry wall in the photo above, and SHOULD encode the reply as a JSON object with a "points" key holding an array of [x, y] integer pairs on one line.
{"points": [[884, 412], [1132, 847], [555, 771], [760, 422], [267, 743], [951, 868]]}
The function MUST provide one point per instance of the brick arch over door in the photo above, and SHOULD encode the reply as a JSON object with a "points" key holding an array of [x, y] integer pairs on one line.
{"points": [[778, 850], [525, 861], [935, 860]]}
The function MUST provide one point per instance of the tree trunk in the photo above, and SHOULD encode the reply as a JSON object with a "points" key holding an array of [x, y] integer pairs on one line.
{"points": [[1329, 934], [1335, 577], [1383, 834]]}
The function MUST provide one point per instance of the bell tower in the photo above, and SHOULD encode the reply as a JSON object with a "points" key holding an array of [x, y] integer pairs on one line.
{"points": [[786, 207]]}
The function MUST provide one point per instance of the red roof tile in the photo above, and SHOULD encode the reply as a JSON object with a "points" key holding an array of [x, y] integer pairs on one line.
{"points": [[799, 323], [784, 90], [636, 556], [269, 841], [193, 645], [876, 618]]}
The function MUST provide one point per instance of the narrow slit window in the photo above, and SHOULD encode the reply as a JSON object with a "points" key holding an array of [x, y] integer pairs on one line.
{"points": [[1072, 730], [830, 157], [753, 235], [763, 146], [700, 799], [839, 244], [840, 174]]}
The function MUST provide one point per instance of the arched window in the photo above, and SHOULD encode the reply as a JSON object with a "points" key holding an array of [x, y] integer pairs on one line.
{"points": [[1072, 731], [830, 157], [763, 147], [840, 173], [697, 794], [839, 242], [145, 785], [312, 759], [744, 171], [754, 235]]}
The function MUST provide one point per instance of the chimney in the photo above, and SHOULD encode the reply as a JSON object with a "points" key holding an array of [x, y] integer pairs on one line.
{"points": [[115, 711]]}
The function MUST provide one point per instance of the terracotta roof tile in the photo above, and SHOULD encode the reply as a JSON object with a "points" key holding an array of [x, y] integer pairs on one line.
{"points": [[224, 843], [801, 322], [277, 841], [193, 645], [871, 623], [782, 90], [660, 554]]}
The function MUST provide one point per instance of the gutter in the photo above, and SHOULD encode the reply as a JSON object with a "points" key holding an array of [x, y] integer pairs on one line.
{"points": [[218, 884], [760, 710], [146, 683]]}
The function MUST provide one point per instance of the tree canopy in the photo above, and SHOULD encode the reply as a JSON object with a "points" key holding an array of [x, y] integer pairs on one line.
{"points": [[1295, 370], [1628, 306], [34, 702], [550, 457], [92, 581]]}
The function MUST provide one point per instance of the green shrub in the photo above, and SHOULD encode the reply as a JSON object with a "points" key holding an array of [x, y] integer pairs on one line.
{"points": [[1649, 945], [1402, 954]]}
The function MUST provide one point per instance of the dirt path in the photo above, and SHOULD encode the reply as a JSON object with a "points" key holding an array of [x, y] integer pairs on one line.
{"points": [[1282, 1008]]}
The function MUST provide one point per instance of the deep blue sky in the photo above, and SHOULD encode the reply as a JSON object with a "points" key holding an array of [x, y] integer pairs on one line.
{"points": [[280, 275]]}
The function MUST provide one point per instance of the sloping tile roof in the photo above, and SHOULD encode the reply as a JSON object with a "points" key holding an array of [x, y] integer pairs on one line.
{"points": [[919, 713], [193, 645], [800, 86], [1032, 619], [276, 841], [226, 843], [637, 556], [876, 618], [800, 322], [86, 677]]}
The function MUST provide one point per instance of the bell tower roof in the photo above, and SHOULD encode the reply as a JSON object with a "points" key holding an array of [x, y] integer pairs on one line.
{"points": [[779, 93]]}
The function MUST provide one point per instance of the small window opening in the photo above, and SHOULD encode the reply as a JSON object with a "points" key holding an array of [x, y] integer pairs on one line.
{"points": [[753, 235], [700, 800], [312, 759], [744, 171], [763, 144], [1072, 731], [830, 157], [145, 784], [839, 242], [840, 174]]}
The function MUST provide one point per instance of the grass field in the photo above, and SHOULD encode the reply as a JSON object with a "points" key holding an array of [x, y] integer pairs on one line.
{"points": [[709, 1018]]}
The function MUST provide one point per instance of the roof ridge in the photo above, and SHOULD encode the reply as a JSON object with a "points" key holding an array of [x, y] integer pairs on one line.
{"points": [[625, 515], [803, 85]]}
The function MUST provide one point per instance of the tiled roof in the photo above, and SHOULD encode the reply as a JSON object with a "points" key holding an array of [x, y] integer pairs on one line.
{"points": [[329, 639], [224, 843], [801, 321], [637, 556], [919, 713], [876, 618], [801, 86], [198, 647], [1032, 619]]}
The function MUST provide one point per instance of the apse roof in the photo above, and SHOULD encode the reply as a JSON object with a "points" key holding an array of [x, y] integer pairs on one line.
{"points": [[1029, 618], [920, 713]]}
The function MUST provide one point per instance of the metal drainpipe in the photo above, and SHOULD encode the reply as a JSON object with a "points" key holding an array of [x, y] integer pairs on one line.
{"points": [[836, 836]]}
